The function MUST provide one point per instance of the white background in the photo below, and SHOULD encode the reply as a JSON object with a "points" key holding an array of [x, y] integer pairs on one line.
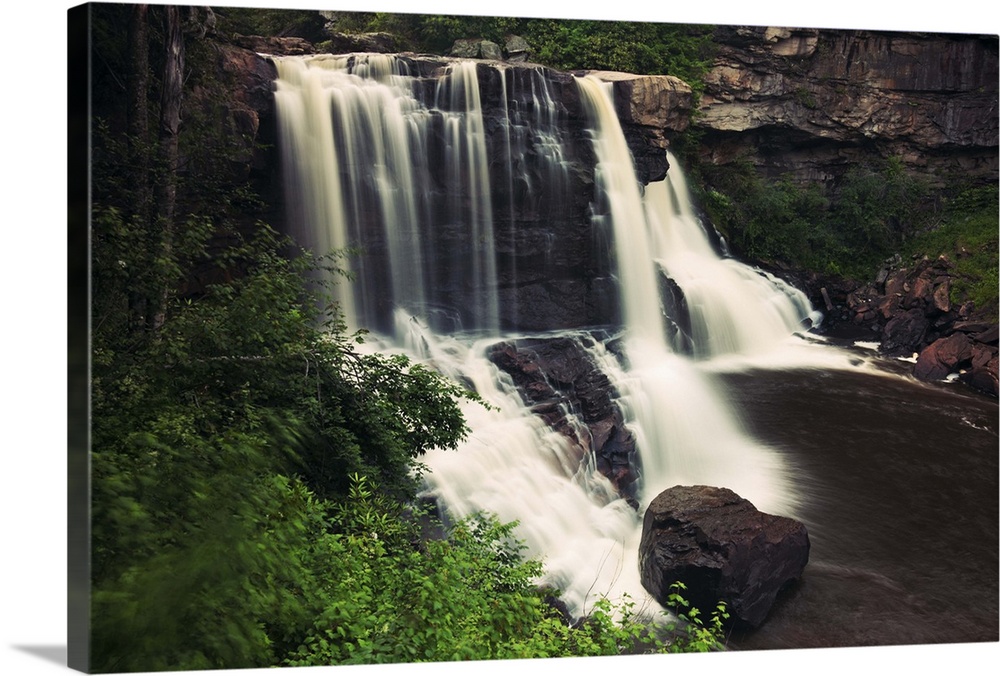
{"points": [[33, 246]]}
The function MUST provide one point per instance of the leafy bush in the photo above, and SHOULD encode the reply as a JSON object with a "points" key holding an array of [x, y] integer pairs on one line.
{"points": [[468, 596], [847, 229], [967, 235], [216, 440]]}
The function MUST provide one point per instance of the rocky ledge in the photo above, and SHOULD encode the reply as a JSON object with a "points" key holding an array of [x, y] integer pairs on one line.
{"points": [[809, 103], [558, 378]]}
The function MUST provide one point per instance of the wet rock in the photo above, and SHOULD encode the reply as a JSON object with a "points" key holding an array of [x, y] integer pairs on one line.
{"points": [[911, 311], [560, 380], [943, 356], [905, 332], [982, 375], [722, 548]]}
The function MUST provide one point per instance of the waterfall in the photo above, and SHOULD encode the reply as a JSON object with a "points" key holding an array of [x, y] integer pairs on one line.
{"points": [[361, 148], [686, 433], [380, 160]]}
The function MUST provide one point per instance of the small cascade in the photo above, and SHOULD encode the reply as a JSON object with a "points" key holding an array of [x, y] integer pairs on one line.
{"points": [[732, 307], [686, 434], [515, 466]]}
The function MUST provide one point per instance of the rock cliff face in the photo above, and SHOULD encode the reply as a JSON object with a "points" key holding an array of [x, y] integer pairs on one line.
{"points": [[808, 103]]}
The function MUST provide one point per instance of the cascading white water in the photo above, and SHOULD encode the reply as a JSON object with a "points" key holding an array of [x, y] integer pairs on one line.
{"points": [[469, 183], [515, 466], [357, 145], [733, 307], [686, 434]]}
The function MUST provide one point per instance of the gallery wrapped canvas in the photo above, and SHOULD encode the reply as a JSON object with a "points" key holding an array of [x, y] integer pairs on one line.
{"points": [[405, 337]]}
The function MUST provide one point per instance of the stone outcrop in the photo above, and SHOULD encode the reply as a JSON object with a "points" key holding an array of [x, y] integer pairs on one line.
{"points": [[563, 385], [722, 549], [279, 46], [909, 310], [969, 351], [475, 48], [234, 102], [809, 103], [650, 107], [344, 43]]}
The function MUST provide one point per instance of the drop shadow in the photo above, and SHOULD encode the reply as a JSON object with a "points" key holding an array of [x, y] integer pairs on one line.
{"points": [[57, 654]]}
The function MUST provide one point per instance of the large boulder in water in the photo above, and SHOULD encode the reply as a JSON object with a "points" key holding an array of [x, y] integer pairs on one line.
{"points": [[721, 548]]}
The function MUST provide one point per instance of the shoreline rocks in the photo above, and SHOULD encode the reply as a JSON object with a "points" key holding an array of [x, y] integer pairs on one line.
{"points": [[909, 310]]}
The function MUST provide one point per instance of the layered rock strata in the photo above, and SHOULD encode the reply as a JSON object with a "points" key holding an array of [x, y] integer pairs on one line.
{"points": [[809, 103]]}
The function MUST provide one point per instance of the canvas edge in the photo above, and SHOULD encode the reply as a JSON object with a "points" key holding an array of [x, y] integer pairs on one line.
{"points": [[78, 337]]}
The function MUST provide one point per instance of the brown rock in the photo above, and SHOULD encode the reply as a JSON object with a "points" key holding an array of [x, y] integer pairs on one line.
{"points": [[983, 377], [904, 333], [943, 356], [942, 296], [722, 548]]}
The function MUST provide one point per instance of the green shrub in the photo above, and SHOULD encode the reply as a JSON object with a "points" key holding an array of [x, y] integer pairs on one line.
{"points": [[967, 234], [848, 229]]}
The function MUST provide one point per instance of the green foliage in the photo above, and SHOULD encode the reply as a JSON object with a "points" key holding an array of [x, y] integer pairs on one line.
{"points": [[874, 211], [636, 47], [967, 235], [211, 438], [268, 21], [692, 634], [878, 206], [468, 596], [848, 229]]}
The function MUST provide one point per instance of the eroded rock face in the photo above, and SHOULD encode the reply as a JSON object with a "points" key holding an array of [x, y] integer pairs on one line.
{"points": [[808, 103], [560, 381], [721, 548]]}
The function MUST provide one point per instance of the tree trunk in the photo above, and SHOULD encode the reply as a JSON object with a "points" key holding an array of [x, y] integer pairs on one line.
{"points": [[170, 122], [139, 147], [138, 109]]}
